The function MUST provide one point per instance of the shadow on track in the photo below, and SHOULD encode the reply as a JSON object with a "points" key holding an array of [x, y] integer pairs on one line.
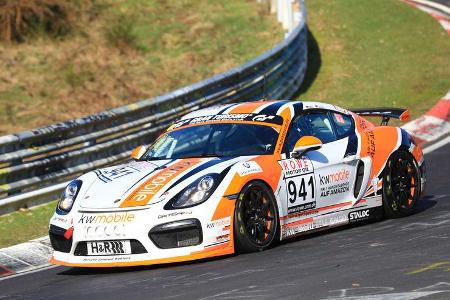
{"points": [[94, 271], [426, 203]]}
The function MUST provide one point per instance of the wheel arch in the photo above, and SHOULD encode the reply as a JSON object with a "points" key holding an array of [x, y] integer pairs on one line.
{"points": [[419, 185], [267, 185], [276, 238]]}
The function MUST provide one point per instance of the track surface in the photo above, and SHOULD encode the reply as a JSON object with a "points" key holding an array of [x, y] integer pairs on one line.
{"points": [[392, 259]]}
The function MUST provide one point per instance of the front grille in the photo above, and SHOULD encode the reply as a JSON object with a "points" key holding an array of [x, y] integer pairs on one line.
{"points": [[57, 239], [136, 248], [177, 234]]}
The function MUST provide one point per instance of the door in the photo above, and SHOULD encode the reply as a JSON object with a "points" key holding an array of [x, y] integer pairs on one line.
{"points": [[327, 175]]}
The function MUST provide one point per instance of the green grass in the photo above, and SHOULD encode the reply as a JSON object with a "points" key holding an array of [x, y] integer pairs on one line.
{"points": [[363, 53], [121, 51], [24, 225], [376, 53]]}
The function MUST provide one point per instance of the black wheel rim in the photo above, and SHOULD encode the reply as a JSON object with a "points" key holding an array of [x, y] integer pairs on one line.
{"points": [[403, 182], [259, 216]]}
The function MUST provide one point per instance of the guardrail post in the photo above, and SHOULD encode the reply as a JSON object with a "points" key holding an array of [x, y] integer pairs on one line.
{"points": [[280, 10]]}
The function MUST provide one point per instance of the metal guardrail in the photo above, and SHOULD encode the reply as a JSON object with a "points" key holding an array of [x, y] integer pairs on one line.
{"points": [[36, 164]]}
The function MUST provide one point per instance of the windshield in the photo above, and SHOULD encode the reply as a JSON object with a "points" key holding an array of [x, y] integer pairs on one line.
{"points": [[214, 140]]}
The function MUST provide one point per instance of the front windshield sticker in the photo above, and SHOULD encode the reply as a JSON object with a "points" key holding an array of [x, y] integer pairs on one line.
{"points": [[229, 117]]}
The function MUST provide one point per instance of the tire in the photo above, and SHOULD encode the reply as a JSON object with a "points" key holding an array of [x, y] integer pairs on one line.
{"points": [[256, 219], [401, 185]]}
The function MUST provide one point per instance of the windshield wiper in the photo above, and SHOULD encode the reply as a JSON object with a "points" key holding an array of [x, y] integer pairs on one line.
{"points": [[154, 158]]}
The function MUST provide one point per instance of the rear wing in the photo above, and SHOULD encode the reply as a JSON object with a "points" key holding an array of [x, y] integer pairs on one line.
{"points": [[385, 112]]}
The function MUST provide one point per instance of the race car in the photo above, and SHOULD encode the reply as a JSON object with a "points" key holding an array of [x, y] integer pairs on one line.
{"points": [[239, 178]]}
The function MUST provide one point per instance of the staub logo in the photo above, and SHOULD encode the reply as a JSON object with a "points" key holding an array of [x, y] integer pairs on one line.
{"points": [[359, 215]]}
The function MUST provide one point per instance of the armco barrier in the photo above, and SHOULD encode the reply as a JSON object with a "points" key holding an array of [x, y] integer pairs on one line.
{"points": [[36, 164]]}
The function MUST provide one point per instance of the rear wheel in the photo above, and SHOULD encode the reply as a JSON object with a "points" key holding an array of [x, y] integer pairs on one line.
{"points": [[256, 220], [401, 185]]}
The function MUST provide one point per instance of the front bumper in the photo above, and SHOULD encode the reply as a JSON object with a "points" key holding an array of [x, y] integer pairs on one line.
{"points": [[155, 237]]}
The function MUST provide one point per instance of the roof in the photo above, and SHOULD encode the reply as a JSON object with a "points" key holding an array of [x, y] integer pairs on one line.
{"points": [[271, 107]]}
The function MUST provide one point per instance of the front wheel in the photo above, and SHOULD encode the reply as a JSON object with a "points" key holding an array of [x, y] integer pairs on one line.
{"points": [[256, 220], [401, 185]]}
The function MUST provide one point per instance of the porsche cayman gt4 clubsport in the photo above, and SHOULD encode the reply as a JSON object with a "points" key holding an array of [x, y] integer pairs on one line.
{"points": [[239, 177]]}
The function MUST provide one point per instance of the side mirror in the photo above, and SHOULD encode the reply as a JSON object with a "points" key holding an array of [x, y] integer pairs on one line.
{"points": [[138, 152], [305, 144]]}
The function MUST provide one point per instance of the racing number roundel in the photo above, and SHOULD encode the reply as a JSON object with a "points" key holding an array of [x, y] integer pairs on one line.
{"points": [[300, 184]]}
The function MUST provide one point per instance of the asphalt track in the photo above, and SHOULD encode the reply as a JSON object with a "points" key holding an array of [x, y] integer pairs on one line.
{"points": [[406, 258]]}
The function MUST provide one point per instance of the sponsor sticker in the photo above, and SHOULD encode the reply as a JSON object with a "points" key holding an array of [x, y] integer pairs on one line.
{"points": [[262, 118], [334, 183], [301, 207], [300, 184], [220, 223], [292, 229], [370, 136], [223, 238], [103, 231], [106, 259], [324, 221], [274, 119], [113, 174], [175, 214], [125, 217], [311, 224], [219, 232], [339, 109], [109, 248], [292, 167], [370, 143], [249, 167], [359, 215], [59, 219], [145, 192]]}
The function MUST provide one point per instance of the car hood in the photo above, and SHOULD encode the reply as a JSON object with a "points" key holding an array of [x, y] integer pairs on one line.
{"points": [[142, 183]]}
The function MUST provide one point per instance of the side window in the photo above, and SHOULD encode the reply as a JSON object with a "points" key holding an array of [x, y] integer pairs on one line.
{"points": [[296, 131], [320, 126], [343, 124]]}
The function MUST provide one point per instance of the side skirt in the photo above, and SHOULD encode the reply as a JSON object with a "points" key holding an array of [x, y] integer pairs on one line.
{"points": [[313, 221]]}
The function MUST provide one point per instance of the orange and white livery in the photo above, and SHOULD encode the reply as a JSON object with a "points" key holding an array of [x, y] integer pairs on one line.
{"points": [[239, 177]]}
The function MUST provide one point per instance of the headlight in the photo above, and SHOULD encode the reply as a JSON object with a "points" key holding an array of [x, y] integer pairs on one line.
{"points": [[68, 197], [195, 193]]}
